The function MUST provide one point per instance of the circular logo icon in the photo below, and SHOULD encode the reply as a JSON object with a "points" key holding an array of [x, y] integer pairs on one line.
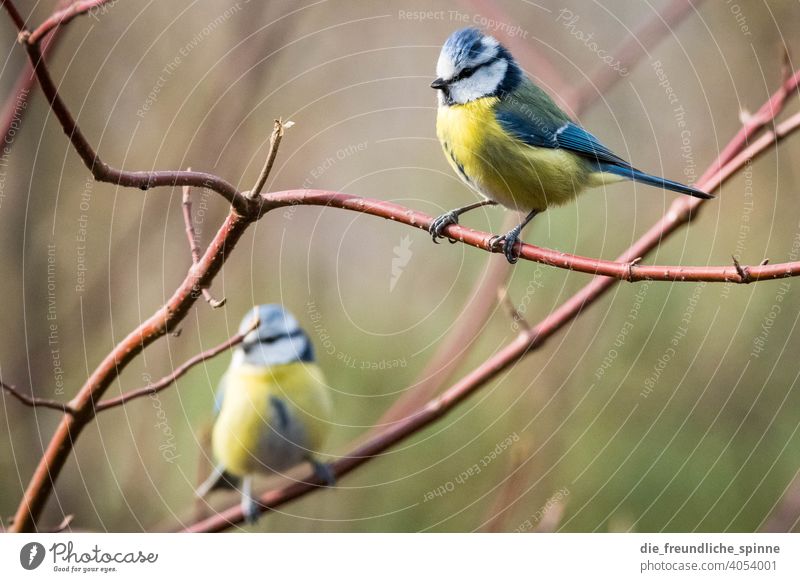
{"points": [[31, 555]]}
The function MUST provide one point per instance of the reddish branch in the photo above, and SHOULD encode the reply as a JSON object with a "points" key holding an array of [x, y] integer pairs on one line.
{"points": [[13, 13], [105, 173], [63, 16], [629, 270], [16, 105], [168, 380], [34, 401], [194, 246], [530, 339], [274, 143], [148, 390]]}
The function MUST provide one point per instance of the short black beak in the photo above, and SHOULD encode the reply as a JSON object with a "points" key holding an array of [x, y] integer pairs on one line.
{"points": [[439, 84]]}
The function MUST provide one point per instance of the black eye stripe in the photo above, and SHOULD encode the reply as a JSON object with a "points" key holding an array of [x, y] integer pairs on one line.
{"points": [[465, 73], [272, 339], [469, 71]]}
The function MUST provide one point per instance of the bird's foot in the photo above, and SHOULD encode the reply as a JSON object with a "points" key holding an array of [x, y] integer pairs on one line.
{"points": [[250, 509], [323, 472], [506, 243], [440, 223]]}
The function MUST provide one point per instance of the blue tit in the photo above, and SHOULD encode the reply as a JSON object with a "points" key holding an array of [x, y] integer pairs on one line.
{"points": [[508, 140], [273, 407]]}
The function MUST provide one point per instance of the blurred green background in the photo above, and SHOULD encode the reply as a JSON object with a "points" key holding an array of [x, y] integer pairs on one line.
{"points": [[609, 436]]}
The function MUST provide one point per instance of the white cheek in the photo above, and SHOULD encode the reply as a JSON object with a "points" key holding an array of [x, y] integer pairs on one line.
{"points": [[483, 82], [237, 359]]}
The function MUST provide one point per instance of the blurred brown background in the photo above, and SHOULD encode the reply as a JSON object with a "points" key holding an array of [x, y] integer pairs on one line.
{"points": [[668, 429]]}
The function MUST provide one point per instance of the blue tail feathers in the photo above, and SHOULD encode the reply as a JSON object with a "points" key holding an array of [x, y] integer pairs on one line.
{"points": [[638, 176]]}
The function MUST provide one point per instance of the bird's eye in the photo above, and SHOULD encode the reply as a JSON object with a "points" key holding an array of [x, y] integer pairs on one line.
{"points": [[464, 73]]}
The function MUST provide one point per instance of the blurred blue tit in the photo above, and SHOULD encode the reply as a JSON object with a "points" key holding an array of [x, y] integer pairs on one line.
{"points": [[273, 408], [508, 140]]}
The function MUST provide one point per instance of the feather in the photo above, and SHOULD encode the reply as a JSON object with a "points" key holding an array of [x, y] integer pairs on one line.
{"points": [[534, 119]]}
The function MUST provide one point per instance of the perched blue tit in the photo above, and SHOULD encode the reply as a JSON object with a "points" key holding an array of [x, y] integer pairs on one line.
{"points": [[508, 140], [273, 407]]}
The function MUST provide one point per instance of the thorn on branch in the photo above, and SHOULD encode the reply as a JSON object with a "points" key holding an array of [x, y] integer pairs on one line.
{"points": [[274, 143], [743, 271], [629, 269], [194, 246], [34, 401], [214, 303]]}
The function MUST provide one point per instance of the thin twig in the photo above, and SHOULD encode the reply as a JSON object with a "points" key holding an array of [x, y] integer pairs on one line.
{"points": [[35, 401], [63, 16], [148, 390], [16, 104], [274, 144], [102, 171], [733, 158], [181, 370], [194, 246], [627, 270]]}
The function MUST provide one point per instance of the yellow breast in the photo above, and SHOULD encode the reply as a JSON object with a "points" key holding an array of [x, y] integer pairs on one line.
{"points": [[255, 433], [503, 168]]}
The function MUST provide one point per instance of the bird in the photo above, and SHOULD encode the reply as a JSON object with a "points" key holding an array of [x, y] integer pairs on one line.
{"points": [[273, 408], [509, 141]]}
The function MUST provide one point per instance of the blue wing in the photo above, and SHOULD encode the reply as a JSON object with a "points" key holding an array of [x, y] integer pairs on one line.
{"points": [[544, 132], [541, 131], [575, 138]]}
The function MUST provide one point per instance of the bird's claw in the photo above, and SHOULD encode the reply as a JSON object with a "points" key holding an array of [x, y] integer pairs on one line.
{"points": [[496, 242], [324, 473], [508, 247], [440, 223], [249, 509], [506, 244]]}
